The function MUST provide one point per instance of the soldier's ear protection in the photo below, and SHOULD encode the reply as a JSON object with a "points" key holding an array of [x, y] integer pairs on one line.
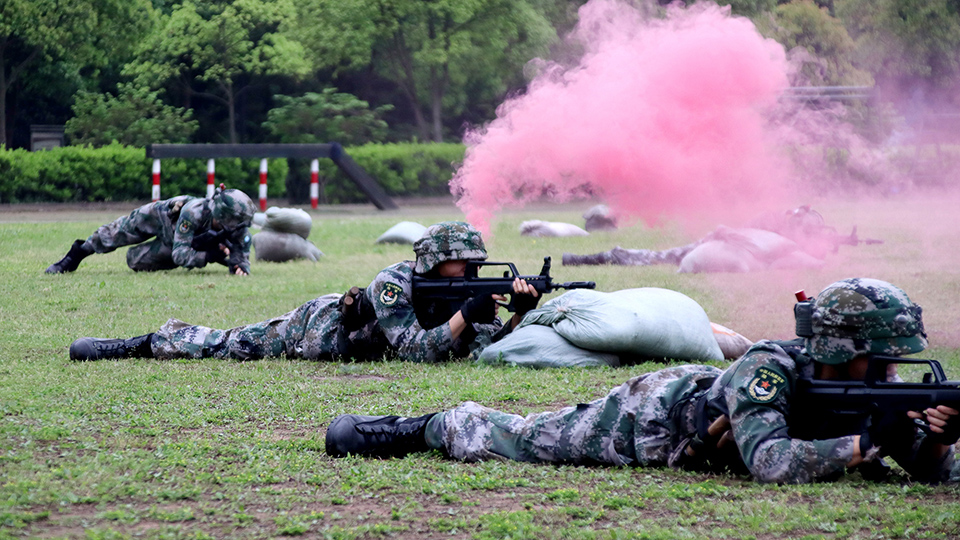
{"points": [[803, 313]]}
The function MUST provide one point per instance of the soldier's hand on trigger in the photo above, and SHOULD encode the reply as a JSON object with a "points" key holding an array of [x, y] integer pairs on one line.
{"points": [[525, 297], [944, 423], [719, 430]]}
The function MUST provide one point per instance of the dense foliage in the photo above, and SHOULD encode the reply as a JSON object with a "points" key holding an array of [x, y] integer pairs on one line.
{"points": [[117, 173], [431, 68]]}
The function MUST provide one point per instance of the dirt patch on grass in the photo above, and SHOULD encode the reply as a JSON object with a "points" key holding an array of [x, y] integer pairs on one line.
{"points": [[378, 378]]}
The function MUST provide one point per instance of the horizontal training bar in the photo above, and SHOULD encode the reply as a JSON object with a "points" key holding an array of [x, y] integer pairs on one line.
{"points": [[213, 151]]}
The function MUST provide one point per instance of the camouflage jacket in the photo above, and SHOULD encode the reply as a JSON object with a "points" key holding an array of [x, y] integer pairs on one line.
{"points": [[391, 295], [194, 216], [755, 392]]}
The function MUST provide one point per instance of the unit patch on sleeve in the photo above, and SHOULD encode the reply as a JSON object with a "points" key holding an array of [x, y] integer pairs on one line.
{"points": [[185, 226], [390, 294], [765, 385]]}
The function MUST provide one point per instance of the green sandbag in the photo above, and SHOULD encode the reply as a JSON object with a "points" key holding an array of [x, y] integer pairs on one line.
{"points": [[646, 323], [542, 347]]}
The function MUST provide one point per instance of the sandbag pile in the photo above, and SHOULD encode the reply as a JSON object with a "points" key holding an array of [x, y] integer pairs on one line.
{"points": [[599, 218], [405, 232], [284, 235], [539, 229], [597, 328]]}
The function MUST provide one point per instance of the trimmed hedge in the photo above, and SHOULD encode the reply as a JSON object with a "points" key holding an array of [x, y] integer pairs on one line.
{"points": [[401, 169], [120, 173]]}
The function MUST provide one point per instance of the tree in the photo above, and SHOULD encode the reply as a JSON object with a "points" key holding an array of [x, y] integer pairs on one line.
{"points": [[433, 50], [135, 117], [84, 32], [225, 44], [319, 118], [803, 24], [906, 40], [324, 117]]}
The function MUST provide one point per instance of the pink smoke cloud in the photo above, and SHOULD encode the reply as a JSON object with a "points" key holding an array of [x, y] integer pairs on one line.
{"points": [[660, 118]]}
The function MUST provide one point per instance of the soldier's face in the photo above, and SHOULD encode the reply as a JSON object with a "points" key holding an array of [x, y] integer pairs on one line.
{"points": [[452, 268], [854, 370]]}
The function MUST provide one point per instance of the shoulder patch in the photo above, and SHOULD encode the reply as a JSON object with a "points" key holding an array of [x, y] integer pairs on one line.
{"points": [[765, 385], [185, 225], [390, 294]]}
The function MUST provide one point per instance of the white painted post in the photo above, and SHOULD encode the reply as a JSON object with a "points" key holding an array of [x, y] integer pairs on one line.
{"points": [[155, 195], [210, 178], [263, 184], [314, 183]]}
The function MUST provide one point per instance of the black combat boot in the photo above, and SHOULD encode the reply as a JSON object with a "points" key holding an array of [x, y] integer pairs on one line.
{"points": [[71, 260], [88, 348], [377, 436]]}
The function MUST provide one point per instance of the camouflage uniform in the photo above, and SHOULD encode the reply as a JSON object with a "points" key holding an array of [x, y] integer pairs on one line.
{"points": [[803, 225], [315, 330], [172, 224], [631, 257], [386, 326], [640, 422], [651, 419], [654, 418]]}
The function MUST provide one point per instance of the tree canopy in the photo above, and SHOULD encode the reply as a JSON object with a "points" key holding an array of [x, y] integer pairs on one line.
{"points": [[436, 52], [135, 117], [425, 67], [89, 33], [219, 49]]}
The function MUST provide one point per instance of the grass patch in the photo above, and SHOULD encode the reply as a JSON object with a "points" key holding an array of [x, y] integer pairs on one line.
{"points": [[217, 449]]}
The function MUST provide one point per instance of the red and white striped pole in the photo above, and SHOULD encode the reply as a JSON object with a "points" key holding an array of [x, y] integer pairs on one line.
{"points": [[263, 184], [155, 194], [314, 183], [210, 175]]}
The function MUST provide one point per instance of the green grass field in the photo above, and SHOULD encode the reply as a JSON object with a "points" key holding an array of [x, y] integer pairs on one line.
{"points": [[222, 449]]}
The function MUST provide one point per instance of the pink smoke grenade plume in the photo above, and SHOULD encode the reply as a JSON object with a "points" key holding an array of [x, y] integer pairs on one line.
{"points": [[661, 117]]}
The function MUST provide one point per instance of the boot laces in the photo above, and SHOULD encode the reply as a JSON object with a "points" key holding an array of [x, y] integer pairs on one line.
{"points": [[110, 346]]}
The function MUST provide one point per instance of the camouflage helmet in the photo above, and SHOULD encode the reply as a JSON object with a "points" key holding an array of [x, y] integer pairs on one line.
{"points": [[448, 241], [232, 208], [861, 315]]}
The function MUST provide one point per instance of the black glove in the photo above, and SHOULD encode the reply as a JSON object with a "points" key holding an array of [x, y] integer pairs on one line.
{"points": [[207, 241], [951, 432], [216, 255], [523, 303], [894, 434], [234, 266], [479, 309]]}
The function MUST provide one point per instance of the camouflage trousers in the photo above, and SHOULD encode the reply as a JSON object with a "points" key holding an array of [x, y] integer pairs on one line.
{"points": [[312, 331], [640, 422], [630, 257], [148, 221]]}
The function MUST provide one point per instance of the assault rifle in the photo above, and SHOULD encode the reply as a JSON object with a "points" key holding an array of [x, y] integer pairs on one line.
{"points": [[437, 299], [882, 402], [233, 239]]}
